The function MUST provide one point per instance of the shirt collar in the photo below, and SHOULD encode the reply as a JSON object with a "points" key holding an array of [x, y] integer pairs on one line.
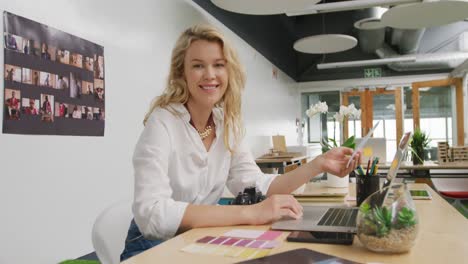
{"points": [[218, 113]]}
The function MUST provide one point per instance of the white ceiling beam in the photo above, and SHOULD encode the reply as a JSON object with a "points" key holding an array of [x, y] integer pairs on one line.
{"points": [[461, 70], [359, 63], [347, 5]]}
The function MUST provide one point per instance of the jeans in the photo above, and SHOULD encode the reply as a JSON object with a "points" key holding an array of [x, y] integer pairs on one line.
{"points": [[136, 243]]}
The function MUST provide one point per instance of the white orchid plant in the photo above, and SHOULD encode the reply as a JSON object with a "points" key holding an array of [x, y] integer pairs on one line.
{"points": [[345, 112]]}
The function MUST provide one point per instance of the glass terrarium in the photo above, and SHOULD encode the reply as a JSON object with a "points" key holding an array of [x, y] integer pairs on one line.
{"points": [[387, 220]]}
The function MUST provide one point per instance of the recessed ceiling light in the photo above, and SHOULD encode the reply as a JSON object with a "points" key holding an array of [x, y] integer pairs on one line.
{"points": [[263, 7], [426, 14], [326, 43]]}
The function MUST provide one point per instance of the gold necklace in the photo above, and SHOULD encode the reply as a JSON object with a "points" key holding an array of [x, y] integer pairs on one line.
{"points": [[205, 133]]}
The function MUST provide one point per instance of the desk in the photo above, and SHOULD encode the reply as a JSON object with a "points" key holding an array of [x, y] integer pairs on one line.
{"points": [[443, 238], [428, 165], [281, 163]]}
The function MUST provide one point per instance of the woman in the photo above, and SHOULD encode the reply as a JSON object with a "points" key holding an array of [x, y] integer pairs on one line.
{"points": [[191, 148], [76, 114], [31, 110], [46, 107]]}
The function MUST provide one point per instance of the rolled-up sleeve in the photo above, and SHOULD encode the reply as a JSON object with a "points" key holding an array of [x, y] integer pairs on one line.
{"points": [[244, 172], [156, 213]]}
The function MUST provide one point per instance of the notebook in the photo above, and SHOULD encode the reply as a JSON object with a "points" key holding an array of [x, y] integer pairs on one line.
{"points": [[319, 190]]}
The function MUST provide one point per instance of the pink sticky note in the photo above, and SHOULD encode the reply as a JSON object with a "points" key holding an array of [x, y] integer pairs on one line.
{"points": [[269, 235]]}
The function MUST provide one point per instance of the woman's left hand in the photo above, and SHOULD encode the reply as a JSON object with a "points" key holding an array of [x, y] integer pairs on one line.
{"points": [[335, 160]]}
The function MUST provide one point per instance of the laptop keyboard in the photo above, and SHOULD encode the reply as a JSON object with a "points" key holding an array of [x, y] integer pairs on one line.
{"points": [[339, 217]]}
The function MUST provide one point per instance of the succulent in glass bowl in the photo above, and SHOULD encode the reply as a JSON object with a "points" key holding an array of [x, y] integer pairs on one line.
{"points": [[387, 220]]}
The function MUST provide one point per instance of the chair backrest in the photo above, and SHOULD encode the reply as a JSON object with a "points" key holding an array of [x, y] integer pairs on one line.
{"points": [[110, 230]]}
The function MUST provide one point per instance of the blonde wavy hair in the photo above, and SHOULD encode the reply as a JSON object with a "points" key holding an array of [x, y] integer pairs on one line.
{"points": [[176, 90]]}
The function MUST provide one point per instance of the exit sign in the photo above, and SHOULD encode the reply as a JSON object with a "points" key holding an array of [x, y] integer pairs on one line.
{"points": [[372, 73]]}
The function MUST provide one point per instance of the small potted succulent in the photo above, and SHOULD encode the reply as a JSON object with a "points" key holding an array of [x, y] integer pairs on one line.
{"points": [[387, 220]]}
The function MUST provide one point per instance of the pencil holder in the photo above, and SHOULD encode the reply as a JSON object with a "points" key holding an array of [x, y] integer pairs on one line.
{"points": [[365, 186]]}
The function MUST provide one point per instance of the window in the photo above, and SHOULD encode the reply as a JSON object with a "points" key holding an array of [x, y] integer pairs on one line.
{"points": [[322, 125], [436, 113]]}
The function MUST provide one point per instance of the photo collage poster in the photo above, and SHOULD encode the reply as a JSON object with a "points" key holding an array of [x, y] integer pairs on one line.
{"points": [[53, 81]]}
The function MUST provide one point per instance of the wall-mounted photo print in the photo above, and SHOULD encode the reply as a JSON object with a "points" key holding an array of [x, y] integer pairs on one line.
{"points": [[76, 60], [61, 82], [76, 113], [63, 56], [87, 88], [47, 53], [35, 47], [12, 73], [61, 109], [51, 79], [99, 90], [27, 76], [98, 113], [47, 107], [75, 85], [98, 67], [87, 112], [35, 77], [13, 42], [45, 79], [89, 63], [26, 46], [12, 104], [30, 106]]}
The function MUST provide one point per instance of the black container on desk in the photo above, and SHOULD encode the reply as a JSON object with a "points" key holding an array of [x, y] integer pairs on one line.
{"points": [[365, 186]]}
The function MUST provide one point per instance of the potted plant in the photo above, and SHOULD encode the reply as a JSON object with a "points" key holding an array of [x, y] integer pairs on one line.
{"points": [[419, 141], [387, 220], [328, 143]]}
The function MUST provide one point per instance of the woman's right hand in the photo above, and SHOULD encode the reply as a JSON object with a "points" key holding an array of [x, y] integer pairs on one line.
{"points": [[274, 208]]}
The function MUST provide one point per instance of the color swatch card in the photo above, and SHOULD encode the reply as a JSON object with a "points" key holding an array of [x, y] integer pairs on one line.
{"points": [[239, 242], [220, 250], [242, 243], [254, 234]]}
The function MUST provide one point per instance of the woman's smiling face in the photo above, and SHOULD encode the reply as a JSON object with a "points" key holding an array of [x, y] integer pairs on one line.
{"points": [[205, 72]]}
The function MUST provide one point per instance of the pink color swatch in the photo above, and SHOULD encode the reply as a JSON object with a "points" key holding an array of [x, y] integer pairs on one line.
{"points": [[219, 240], [269, 235], [243, 242], [271, 244], [256, 244], [205, 239], [231, 241]]}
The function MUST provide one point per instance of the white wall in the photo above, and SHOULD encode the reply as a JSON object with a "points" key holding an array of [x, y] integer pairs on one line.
{"points": [[48, 207]]}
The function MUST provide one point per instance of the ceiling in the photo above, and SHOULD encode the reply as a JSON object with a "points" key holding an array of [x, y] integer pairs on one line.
{"points": [[274, 36]]}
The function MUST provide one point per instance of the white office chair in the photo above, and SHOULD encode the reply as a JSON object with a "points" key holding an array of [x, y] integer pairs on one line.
{"points": [[110, 230]]}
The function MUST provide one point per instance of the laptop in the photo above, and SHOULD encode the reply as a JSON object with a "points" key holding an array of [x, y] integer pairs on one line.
{"points": [[338, 218]]}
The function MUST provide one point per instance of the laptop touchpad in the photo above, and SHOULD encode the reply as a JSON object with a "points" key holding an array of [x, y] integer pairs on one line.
{"points": [[313, 213]]}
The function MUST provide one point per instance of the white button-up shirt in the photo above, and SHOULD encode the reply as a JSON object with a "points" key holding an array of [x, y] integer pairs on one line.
{"points": [[173, 169]]}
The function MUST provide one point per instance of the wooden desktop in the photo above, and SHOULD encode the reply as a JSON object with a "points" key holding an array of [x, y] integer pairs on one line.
{"points": [[443, 238]]}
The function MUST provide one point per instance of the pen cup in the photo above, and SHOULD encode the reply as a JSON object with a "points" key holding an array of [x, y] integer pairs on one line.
{"points": [[365, 186]]}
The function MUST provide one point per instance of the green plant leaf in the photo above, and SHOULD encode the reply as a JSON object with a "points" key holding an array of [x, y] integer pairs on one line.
{"points": [[418, 142], [406, 218], [350, 143], [365, 208]]}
